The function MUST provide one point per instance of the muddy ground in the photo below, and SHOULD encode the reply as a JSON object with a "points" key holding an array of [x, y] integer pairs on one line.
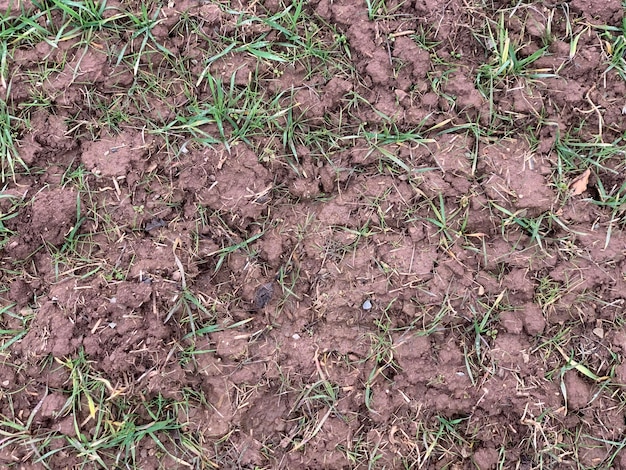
{"points": [[377, 256]]}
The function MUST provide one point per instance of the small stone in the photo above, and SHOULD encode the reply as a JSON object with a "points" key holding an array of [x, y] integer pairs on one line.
{"points": [[599, 332], [367, 305], [263, 296], [155, 224]]}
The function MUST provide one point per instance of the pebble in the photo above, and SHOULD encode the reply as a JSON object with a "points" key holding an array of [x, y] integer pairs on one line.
{"points": [[367, 305], [263, 296]]}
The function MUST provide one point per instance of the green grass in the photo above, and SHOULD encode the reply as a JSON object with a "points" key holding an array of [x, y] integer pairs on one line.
{"points": [[539, 228], [381, 355], [117, 428], [506, 60], [8, 336], [12, 212], [614, 45], [10, 160]]}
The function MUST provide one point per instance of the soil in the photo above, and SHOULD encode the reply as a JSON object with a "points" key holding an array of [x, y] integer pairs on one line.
{"points": [[319, 237]]}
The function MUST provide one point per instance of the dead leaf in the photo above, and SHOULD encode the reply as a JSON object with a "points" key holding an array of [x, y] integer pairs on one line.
{"points": [[579, 185], [392, 439]]}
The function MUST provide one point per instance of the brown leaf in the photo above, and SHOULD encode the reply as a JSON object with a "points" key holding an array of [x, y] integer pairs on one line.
{"points": [[579, 185]]}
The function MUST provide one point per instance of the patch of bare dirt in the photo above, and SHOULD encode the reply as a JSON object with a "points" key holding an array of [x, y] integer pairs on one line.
{"points": [[344, 273]]}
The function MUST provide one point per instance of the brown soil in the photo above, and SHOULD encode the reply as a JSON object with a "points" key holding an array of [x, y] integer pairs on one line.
{"points": [[345, 281]]}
